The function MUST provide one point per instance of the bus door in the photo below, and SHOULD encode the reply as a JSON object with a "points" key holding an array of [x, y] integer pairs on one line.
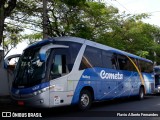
{"points": [[56, 68], [59, 67]]}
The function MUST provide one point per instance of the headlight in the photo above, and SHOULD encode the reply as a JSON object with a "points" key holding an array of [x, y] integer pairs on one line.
{"points": [[35, 93], [40, 91]]}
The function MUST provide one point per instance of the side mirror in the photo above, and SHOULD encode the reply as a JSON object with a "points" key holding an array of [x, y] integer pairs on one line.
{"points": [[11, 61]]}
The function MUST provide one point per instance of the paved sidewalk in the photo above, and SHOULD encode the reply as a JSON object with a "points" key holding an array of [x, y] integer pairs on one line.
{"points": [[7, 104], [5, 99]]}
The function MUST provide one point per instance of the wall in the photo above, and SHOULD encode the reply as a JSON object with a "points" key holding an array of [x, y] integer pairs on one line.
{"points": [[4, 84]]}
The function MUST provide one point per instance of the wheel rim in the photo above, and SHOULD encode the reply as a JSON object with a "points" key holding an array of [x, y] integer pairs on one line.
{"points": [[84, 100]]}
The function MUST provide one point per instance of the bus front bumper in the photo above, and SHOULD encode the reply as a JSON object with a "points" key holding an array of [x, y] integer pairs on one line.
{"points": [[157, 90], [40, 100]]}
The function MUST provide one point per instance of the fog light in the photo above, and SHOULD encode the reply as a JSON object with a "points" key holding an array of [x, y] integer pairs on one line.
{"points": [[41, 101]]}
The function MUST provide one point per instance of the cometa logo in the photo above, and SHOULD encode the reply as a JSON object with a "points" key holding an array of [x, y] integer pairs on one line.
{"points": [[105, 75]]}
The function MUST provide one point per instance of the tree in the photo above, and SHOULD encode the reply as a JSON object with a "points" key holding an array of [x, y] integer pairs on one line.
{"points": [[11, 37], [6, 7], [132, 35], [92, 20]]}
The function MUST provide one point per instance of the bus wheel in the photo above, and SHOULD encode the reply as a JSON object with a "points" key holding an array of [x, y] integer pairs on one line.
{"points": [[141, 93], [85, 100]]}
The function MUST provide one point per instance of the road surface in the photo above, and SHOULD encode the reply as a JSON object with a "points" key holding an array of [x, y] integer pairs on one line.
{"points": [[119, 109]]}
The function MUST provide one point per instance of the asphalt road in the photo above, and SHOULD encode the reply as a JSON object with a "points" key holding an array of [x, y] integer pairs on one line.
{"points": [[118, 109]]}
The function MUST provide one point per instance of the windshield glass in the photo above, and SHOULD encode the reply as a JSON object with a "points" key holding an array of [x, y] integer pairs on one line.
{"points": [[30, 70], [157, 70], [157, 80]]}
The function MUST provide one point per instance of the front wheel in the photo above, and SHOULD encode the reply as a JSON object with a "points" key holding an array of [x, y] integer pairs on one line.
{"points": [[85, 100]]}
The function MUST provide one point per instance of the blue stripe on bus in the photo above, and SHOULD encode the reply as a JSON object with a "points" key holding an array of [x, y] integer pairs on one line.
{"points": [[40, 43], [29, 90], [112, 86]]}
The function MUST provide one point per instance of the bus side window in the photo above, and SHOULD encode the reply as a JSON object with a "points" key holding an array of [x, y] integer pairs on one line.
{"points": [[114, 61], [132, 66], [91, 58], [150, 67], [122, 60], [126, 64], [146, 67], [58, 66], [142, 65], [109, 60], [85, 63]]}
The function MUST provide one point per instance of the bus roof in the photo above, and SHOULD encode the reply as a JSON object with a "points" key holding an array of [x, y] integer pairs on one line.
{"points": [[87, 42]]}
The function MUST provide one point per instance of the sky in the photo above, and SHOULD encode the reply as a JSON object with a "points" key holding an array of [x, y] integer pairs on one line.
{"points": [[129, 6], [139, 6]]}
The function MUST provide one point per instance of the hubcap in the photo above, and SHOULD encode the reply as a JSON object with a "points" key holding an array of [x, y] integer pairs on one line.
{"points": [[84, 100]]}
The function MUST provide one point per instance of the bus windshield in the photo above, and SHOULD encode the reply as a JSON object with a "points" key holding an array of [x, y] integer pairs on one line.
{"points": [[30, 70], [44, 63], [157, 70], [157, 75]]}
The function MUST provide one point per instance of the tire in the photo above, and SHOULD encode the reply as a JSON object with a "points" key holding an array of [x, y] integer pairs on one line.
{"points": [[141, 93], [85, 100]]}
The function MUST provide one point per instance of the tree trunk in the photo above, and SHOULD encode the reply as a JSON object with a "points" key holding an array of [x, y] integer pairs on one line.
{"points": [[1, 23], [5, 12], [45, 23]]}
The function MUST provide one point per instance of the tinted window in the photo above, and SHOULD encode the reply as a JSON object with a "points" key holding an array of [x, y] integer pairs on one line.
{"points": [[131, 66], [157, 79], [59, 66], [109, 60], [72, 53], [126, 63], [63, 59], [146, 66], [91, 58], [30, 70], [149, 68], [157, 70], [122, 60], [73, 49]]}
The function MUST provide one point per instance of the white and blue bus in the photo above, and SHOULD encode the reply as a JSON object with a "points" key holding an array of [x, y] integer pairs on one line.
{"points": [[70, 70]]}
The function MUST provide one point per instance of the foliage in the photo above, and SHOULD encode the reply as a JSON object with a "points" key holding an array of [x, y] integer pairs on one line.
{"points": [[12, 37], [6, 8], [92, 20]]}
